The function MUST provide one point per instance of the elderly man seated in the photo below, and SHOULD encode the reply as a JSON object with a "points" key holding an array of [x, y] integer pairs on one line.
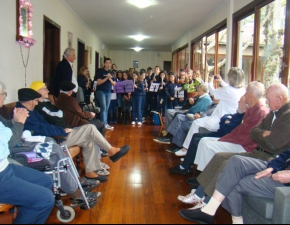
{"points": [[181, 123], [68, 184], [87, 136], [242, 176]]}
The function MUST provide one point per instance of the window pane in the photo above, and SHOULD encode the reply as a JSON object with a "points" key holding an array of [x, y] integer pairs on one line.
{"points": [[271, 46], [210, 53], [245, 45], [222, 53], [198, 58]]}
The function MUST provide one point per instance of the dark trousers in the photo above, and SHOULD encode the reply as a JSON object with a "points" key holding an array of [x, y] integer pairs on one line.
{"points": [[191, 152], [137, 103], [153, 101], [161, 104], [172, 104], [99, 125], [145, 106], [112, 113], [30, 190]]}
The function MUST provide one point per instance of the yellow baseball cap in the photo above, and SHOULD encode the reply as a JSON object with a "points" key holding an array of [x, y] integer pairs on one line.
{"points": [[36, 85]]}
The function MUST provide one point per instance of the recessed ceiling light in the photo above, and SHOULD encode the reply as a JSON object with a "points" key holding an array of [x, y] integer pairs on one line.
{"points": [[142, 4], [137, 49], [138, 37]]}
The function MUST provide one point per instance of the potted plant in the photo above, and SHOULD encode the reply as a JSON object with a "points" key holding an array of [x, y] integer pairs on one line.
{"points": [[191, 89]]}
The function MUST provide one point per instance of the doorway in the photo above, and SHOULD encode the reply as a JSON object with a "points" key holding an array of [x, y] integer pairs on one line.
{"points": [[81, 54], [167, 66], [97, 63], [51, 52]]}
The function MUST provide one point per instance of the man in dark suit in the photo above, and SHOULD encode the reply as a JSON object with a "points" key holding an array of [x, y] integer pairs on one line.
{"points": [[64, 71]]}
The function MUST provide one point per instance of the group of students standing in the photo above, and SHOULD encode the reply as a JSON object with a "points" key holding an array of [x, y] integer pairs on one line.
{"points": [[117, 107]]}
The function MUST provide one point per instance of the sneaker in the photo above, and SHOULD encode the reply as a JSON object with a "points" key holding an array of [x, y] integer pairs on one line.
{"points": [[173, 149], [199, 205], [105, 166], [190, 116], [139, 123], [133, 123], [191, 198], [102, 172], [181, 153], [108, 127], [91, 196], [89, 185], [163, 140], [104, 154], [182, 159], [177, 171]]}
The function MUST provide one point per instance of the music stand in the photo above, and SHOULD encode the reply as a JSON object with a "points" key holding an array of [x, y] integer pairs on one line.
{"points": [[154, 87], [178, 93], [126, 86]]}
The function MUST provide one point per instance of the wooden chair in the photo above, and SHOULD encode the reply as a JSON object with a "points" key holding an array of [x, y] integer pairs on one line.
{"points": [[5, 216]]}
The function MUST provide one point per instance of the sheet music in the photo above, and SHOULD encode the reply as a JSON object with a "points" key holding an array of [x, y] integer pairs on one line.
{"points": [[126, 86], [154, 87], [178, 93]]}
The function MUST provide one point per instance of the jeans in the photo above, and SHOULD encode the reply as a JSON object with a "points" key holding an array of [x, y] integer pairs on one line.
{"points": [[104, 100], [113, 111], [30, 190], [137, 103]]}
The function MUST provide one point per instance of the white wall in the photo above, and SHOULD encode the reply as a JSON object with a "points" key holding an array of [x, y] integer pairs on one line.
{"points": [[124, 59], [12, 70]]}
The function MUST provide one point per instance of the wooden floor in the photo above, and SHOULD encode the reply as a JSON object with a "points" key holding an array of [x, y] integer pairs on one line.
{"points": [[140, 189]]}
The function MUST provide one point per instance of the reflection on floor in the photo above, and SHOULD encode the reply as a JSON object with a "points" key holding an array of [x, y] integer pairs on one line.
{"points": [[140, 189]]}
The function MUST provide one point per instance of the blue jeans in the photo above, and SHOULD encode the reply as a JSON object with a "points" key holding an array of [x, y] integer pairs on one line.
{"points": [[137, 103], [30, 190], [113, 111], [104, 100]]}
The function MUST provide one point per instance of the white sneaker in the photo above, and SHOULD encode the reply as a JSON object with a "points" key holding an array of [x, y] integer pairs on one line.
{"points": [[182, 159], [139, 123], [199, 205], [102, 172], [133, 123], [108, 127], [190, 116], [181, 153], [105, 166], [190, 198]]}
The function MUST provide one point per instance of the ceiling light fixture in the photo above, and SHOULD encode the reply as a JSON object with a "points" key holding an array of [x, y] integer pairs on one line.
{"points": [[138, 37], [137, 49], [142, 4]]}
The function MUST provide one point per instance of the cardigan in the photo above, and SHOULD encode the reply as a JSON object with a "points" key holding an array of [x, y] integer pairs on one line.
{"points": [[201, 105]]}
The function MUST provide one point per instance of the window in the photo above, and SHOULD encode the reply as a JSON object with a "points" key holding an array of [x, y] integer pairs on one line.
{"points": [[180, 59], [259, 41]]}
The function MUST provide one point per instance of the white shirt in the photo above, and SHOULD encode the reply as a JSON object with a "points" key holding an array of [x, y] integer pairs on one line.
{"points": [[74, 80], [229, 99]]}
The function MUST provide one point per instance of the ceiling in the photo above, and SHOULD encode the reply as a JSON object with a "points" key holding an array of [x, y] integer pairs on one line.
{"points": [[113, 21]]}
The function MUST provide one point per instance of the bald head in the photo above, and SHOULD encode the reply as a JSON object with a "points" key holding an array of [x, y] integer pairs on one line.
{"points": [[277, 96]]}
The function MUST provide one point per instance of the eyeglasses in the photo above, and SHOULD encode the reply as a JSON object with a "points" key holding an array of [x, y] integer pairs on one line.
{"points": [[45, 89], [4, 94]]}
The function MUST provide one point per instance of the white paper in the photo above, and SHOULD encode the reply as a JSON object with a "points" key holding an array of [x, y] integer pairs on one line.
{"points": [[26, 135], [154, 87], [177, 93]]}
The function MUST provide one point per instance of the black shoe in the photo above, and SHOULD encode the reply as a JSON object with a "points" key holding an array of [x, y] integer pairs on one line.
{"points": [[91, 197], [178, 171], [123, 151], [89, 184], [193, 182], [100, 178], [196, 215], [173, 149], [163, 140]]}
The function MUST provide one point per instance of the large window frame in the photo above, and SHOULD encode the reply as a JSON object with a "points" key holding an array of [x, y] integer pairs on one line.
{"points": [[177, 57], [254, 8]]}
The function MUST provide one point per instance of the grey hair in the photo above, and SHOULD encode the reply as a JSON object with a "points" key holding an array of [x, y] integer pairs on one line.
{"points": [[2, 87], [236, 77], [190, 71], [204, 87], [65, 92], [258, 89], [68, 52]]}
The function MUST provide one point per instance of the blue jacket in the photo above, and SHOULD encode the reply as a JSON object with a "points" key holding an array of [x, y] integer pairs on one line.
{"points": [[201, 105], [139, 90], [170, 89], [36, 123]]}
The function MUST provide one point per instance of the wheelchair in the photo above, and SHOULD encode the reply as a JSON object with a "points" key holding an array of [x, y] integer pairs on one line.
{"points": [[65, 214]]}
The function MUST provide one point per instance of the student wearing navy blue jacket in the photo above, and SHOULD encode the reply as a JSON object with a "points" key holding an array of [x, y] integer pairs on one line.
{"points": [[161, 94], [170, 91], [137, 99], [145, 93], [182, 81]]}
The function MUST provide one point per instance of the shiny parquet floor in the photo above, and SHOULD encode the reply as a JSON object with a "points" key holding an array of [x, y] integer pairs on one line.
{"points": [[140, 189]]}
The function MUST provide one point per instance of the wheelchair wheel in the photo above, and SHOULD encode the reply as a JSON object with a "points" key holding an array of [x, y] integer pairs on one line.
{"points": [[70, 215]]}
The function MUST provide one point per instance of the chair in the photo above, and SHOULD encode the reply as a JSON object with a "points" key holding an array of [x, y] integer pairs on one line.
{"points": [[89, 107]]}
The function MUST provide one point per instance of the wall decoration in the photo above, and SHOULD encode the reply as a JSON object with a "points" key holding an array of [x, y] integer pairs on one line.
{"points": [[135, 64], [24, 32], [70, 40]]}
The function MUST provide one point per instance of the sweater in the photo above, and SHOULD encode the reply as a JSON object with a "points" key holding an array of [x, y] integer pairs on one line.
{"points": [[36, 123], [241, 135], [170, 89], [201, 105]]}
